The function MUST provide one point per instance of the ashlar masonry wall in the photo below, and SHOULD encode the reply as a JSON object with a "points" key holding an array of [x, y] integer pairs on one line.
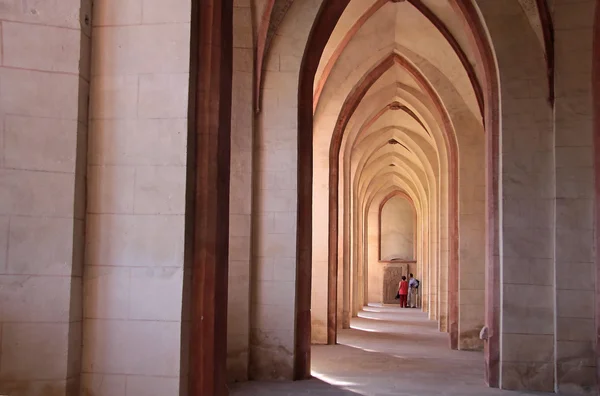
{"points": [[133, 276], [44, 85]]}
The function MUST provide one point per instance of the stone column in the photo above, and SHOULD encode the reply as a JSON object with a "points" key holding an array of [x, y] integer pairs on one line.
{"points": [[574, 247], [134, 272], [211, 90]]}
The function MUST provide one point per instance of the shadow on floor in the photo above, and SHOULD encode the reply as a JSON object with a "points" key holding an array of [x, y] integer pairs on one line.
{"points": [[310, 387], [388, 351]]}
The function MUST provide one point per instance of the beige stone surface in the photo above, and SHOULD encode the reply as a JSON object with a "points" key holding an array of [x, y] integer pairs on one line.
{"points": [[116, 199], [133, 294], [397, 230]]}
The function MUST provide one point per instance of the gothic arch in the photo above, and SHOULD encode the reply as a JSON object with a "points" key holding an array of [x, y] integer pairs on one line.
{"points": [[325, 22]]}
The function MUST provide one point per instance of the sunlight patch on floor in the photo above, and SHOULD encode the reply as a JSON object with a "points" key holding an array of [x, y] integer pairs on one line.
{"points": [[332, 381]]}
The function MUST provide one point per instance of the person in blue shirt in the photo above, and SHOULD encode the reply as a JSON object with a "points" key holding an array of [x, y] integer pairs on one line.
{"points": [[413, 291]]}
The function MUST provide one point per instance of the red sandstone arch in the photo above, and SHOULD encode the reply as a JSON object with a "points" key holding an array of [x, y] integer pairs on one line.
{"points": [[326, 19], [437, 22], [397, 193]]}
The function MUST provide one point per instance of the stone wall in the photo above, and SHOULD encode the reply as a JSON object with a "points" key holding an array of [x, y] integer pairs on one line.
{"points": [[133, 276], [44, 74], [575, 273], [527, 182], [274, 212], [397, 231]]}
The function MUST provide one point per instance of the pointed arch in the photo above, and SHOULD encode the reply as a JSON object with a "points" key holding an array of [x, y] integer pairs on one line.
{"points": [[327, 17]]}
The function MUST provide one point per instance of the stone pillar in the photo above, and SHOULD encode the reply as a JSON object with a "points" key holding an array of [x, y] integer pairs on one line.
{"points": [[211, 93], [527, 199], [240, 209], [134, 272], [575, 268], [43, 109]]}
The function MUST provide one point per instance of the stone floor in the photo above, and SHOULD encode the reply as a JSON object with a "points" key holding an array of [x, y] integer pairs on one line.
{"points": [[388, 351]]}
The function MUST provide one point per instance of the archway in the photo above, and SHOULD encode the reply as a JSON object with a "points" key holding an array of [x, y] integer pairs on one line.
{"points": [[325, 22]]}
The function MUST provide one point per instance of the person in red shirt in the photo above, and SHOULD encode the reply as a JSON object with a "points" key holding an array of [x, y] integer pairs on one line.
{"points": [[403, 292]]}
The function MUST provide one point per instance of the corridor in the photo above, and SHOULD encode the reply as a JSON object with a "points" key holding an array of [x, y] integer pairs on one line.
{"points": [[388, 351]]}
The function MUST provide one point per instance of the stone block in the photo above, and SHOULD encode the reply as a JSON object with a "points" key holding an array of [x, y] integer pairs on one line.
{"points": [[160, 190], [527, 348], [284, 269], [145, 303], [239, 248], [62, 13], [533, 376], [242, 34], [111, 189], [103, 384], [40, 143], [113, 97], [121, 347], [59, 51], [106, 292], [243, 60], [141, 49], [575, 329], [528, 242], [34, 351], [240, 268], [163, 95], [575, 303], [277, 180], [160, 142], [284, 223], [240, 225], [575, 214], [165, 338], [277, 245], [40, 246], [575, 276], [117, 12], [278, 201], [275, 293], [156, 11], [39, 94], [29, 298], [152, 386], [109, 142], [139, 241], [264, 269], [574, 245], [269, 317], [272, 354], [241, 162]]}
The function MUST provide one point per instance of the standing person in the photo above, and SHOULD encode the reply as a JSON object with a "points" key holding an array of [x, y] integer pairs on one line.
{"points": [[403, 292], [413, 291]]}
